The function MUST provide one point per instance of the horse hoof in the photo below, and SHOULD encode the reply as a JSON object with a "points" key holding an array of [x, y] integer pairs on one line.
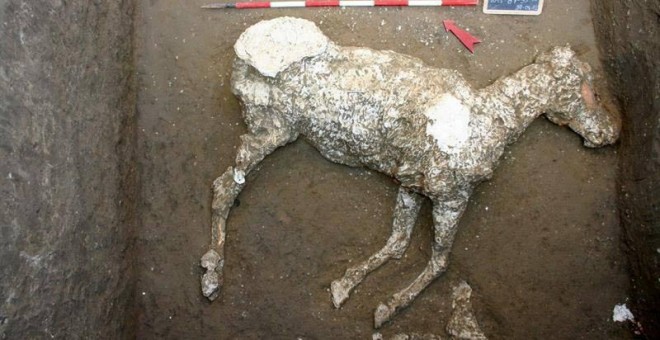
{"points": [[212, 279], [339, 293], [382, 315]]}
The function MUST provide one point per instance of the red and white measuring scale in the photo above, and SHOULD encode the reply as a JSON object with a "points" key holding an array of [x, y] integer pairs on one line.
{"points": [[343, 3]]}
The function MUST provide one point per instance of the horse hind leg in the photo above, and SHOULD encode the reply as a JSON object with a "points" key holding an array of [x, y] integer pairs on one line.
{"points": [[253, 149], [405, 215], [446, 215]]}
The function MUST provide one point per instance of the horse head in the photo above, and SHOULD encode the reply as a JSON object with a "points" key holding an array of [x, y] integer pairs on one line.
{"points": [[576, 104]]}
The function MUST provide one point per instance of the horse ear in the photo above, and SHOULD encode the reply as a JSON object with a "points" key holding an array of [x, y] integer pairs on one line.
{"points": [[557, 56], [588, 96]]}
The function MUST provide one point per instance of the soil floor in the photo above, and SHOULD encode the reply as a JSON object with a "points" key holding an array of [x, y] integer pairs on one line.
{"points": [[539, 243]]}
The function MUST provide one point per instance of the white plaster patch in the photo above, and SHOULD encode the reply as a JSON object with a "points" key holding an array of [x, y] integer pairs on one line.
{"points": [[621, 313], [239, 176], [271, 46], [449, 123]]}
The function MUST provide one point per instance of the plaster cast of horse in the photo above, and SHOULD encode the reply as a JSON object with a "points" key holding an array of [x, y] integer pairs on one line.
{"points": [[424, 126]]}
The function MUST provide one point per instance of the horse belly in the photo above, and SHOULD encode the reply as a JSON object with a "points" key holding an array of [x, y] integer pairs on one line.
{"points": [[349, 134]]}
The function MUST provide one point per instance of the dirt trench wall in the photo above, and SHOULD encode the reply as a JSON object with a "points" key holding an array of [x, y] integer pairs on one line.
{"points": [[66, 179], [628, 32]]}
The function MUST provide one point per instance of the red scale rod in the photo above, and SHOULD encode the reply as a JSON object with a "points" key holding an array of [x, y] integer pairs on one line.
{"points": [[342, 3]]}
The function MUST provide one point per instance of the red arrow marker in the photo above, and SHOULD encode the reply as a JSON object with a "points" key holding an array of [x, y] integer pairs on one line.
{"points": [[465, 38]]}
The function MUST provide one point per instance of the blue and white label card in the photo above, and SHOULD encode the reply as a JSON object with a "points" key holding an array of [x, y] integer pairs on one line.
{"points": [[513, 7]]}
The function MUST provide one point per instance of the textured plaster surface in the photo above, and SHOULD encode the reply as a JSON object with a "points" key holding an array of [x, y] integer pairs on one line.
{"points": [[463, 324], [387, 112]]}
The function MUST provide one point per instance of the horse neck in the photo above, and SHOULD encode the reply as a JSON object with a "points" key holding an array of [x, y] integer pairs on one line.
{"points": [[515, 101]]}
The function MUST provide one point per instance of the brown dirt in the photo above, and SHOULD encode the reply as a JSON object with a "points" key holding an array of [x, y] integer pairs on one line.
{"points": [[630, 39], [538, 244], [66, 169]]}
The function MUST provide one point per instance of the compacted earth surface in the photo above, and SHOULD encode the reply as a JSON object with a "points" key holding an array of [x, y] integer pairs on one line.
{"points": [[539, 243]]}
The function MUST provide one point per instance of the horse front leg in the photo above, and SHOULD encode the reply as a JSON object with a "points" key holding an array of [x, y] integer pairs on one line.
{"points": [[405, 214], [253, 149], [446, 214]]}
